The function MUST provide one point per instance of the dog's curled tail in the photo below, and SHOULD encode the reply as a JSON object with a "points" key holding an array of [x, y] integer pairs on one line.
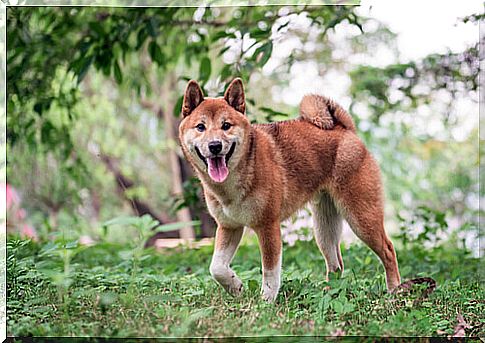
{"points": [[325, 113]]}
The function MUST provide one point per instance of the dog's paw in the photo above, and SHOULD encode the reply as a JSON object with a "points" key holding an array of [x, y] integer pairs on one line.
{"points": [[271, 285], [269, 292], [269, 296], [236, 287]]}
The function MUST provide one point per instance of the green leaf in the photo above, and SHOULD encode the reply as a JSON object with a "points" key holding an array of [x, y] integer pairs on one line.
{"points": [[273, 115], [156, 53], [42, 105], [117, 72], [141, 37], [205, 69], [257, 33], [325, 303], [71, 245], [152, 26], [223, 50], [177, 109], [97, 28], [263, 53], [218, 35], [46, 132], [83, 68], [126, 254], [273, 112], [253, 285], [226, 72], [337, 306], [348, 307], [122, 221], [84, 47], [176, 226]]}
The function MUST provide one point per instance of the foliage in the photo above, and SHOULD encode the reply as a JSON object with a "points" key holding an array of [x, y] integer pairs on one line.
{"points": [[433, 223], [428, 172], [58, 47], [474, 18], [409, 115], [88, 82], [144, 225], [405, 86], [170, 293]]}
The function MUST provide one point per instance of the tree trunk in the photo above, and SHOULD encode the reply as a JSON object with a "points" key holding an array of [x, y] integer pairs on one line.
{"points": [[199, 211], [183, 215], [207, 223], [139, 207]]}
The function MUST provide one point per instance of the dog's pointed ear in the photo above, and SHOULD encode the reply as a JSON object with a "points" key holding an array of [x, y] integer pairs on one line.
{"points": [[192, 98], [234, 95]]}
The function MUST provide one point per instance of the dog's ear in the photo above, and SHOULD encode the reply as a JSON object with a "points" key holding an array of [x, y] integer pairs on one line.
{"points": [[234, 95], [192, 98]]}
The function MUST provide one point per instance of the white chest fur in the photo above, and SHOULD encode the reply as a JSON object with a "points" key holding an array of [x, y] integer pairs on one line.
{"points": [[237, 213]]}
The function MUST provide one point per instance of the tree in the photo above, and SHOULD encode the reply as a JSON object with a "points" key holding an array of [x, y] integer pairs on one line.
{"points": [[56, 57]]}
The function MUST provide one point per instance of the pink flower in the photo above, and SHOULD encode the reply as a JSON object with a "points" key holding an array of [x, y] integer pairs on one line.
{"points": [[21, 214], [86, 240], [12, 196], [29, 232]]}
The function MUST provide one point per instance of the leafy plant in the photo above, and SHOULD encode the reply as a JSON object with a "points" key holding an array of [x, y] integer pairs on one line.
{"points": [[171, 293], [429, 225]]}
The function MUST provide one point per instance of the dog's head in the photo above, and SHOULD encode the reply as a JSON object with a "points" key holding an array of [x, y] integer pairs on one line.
{"points": [[214, 131]]}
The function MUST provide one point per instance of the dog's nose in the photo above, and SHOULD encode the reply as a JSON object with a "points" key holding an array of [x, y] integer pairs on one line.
{"points": [[215, 147]]}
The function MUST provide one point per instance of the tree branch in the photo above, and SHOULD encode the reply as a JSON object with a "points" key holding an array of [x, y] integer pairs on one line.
{"points": [[138, 206]]}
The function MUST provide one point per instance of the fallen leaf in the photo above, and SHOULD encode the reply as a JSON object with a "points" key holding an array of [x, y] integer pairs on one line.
{"points": [[460, 327], [338, 332]]}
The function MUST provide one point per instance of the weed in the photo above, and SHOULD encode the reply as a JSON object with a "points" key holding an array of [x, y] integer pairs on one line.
{"points": [[62, 289]]}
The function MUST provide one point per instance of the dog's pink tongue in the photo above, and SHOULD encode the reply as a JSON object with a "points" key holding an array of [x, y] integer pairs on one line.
{"points": [[217, 168]]}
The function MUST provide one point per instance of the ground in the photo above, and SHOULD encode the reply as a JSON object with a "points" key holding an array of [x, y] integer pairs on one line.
{"points": [[110, 290]]}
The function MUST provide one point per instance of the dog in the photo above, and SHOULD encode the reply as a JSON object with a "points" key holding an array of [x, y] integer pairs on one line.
{"points": [[258, 175]]}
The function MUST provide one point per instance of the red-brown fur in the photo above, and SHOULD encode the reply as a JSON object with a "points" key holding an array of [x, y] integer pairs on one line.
{"points": [[279, 167]]}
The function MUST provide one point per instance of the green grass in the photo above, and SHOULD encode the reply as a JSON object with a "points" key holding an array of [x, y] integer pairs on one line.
{"points": [[113, 290]]}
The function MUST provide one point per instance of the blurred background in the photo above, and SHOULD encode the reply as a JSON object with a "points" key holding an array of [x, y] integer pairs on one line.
{"points": [[94, 96]]}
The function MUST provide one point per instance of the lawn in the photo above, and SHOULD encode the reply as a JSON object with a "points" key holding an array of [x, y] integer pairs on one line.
{"points": [[112, 290]]}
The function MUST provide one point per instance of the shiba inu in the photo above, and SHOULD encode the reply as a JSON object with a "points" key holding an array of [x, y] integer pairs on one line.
{"points": [[259, 175]]}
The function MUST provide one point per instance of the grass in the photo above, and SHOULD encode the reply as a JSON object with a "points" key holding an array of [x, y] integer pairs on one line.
{"points": [[63, 289]]}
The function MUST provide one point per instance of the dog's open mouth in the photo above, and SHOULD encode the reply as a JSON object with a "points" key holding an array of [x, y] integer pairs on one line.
{"points": [[217, 165]]}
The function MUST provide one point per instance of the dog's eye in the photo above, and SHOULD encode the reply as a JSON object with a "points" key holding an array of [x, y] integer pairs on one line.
{"points": [[200, 127], [226, 126]]}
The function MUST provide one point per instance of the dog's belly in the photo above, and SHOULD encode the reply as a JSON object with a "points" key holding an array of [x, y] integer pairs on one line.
{"points": [[294, 202]]}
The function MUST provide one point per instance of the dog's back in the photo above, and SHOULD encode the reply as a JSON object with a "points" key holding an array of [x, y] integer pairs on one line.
{"points": [[311, 157], [307, 152]]}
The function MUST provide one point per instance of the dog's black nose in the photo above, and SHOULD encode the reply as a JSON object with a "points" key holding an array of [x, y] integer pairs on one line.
{"points": [[215, 147]]}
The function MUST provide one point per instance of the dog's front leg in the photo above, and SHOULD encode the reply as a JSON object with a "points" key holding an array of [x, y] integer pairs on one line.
{"points": [[271, 253], [227, 241]]}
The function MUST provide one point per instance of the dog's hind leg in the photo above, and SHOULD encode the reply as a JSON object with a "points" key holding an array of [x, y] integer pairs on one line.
{"points": [[226, 243], [359, 195], [327, 229]]}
